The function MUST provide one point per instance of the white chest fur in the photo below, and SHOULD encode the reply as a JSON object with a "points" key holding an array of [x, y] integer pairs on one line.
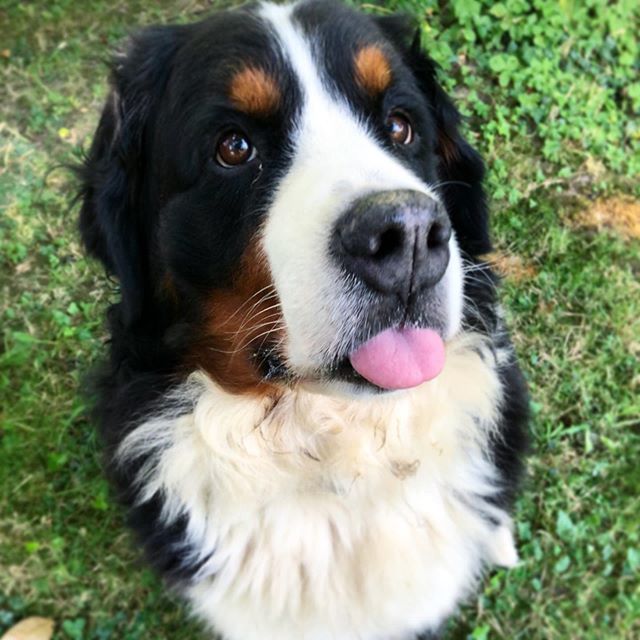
{"points": [[327, 518]]}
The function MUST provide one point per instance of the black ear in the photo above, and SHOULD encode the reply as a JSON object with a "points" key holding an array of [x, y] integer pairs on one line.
{"points": [[460, 167], [114, 226]]}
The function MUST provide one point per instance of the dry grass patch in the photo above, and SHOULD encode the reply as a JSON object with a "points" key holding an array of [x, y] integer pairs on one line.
{"points": [[620, 213], [511, 266]]}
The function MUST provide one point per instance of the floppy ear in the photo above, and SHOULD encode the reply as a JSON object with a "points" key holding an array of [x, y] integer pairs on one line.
{"points": [[113, 223], [460, 167]]}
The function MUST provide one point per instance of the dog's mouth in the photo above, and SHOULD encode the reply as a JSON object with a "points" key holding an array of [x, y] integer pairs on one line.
{"points": [[380, 343], [399, 357], [387, 346]]}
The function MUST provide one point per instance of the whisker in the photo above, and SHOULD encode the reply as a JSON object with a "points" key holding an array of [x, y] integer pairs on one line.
{"points": [[487, 277], [470, 268], [450, 182], [242, 347], [264, 335], [249, 316], [266, 323], [472, 308], [270, 294]]}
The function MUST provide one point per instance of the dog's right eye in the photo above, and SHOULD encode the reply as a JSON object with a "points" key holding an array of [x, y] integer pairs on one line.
{"points": [[234, 148], [399, 128]]}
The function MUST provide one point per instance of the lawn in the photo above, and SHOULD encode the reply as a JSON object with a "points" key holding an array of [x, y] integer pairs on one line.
{"points": [[551, 95]]}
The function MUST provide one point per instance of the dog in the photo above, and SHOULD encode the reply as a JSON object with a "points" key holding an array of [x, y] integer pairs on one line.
{"points": [[312, 411]]}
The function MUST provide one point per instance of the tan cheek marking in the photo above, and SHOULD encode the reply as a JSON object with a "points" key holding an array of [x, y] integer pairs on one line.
{"points": [[372, 68], [237, 321], [254, 91]]}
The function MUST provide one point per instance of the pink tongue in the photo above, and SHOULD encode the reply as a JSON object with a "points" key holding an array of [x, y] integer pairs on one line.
{"points": [[400, 358]]}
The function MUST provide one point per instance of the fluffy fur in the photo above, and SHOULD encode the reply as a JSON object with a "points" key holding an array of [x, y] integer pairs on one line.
{"points": [[277, 490]]}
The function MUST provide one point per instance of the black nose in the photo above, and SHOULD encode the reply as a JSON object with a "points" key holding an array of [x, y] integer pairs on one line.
{"points": [[395, 241]]}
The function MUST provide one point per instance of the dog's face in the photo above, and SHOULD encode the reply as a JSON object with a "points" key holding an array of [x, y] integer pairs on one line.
{"points": [[285, 197]]}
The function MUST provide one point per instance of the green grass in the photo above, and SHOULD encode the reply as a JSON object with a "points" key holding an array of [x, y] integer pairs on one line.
{"points": [[553, 106]]}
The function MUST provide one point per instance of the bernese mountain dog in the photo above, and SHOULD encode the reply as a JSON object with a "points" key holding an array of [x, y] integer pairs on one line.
{"points": [[312, 411]]}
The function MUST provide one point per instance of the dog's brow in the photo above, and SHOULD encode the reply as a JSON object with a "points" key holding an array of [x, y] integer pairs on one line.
{"points": [[372, 69], [254, 91]]}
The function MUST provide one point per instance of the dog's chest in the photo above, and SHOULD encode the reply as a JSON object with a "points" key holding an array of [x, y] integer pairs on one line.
{"points": [[332, 519]]}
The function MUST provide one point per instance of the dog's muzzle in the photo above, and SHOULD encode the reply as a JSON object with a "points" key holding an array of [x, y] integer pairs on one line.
{"points": [[396, 244]]}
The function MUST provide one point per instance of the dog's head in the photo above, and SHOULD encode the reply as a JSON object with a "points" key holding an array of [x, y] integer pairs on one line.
{"points": [[285, 196]]}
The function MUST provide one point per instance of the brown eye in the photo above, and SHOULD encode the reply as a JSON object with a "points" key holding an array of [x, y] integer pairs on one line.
{"points": [[399, 128], [234, 149]]}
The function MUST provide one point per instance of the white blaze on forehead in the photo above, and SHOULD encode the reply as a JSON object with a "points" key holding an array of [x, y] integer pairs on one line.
{"points": [[336, 159], [329, 135]]}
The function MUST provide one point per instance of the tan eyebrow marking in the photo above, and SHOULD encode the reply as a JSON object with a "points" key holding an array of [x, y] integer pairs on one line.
{"points": [[254, 91], [373, 71]]}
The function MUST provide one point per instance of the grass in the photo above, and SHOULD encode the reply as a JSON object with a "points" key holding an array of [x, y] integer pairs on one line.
{"points": [[571, 290]]}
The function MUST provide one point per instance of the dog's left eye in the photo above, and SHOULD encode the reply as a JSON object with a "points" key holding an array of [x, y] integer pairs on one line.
{"points": [[399, 128], [234, 148]]}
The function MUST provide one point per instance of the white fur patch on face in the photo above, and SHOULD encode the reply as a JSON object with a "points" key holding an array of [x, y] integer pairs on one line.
{"points": [[332, 518], [336, 159]]}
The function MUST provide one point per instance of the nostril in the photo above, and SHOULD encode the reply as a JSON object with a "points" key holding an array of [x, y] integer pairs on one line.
{"points": [[438, 235], [388, 243], [373, 245]]}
